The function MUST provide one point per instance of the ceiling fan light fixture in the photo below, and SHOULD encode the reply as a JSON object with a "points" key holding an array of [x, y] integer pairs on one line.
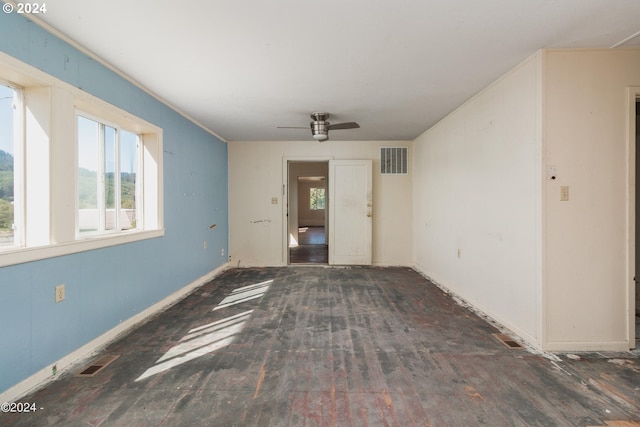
{"points": [[320, 136]]}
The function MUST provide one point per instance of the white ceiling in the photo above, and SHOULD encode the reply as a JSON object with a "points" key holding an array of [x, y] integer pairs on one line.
{"points": [[243, 67]]}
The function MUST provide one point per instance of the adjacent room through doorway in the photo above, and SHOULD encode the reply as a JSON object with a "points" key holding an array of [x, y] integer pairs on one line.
{"points": [[307, 213]]}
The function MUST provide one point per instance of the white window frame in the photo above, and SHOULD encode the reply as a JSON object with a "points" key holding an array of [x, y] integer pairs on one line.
{"points": [[48, 208]]}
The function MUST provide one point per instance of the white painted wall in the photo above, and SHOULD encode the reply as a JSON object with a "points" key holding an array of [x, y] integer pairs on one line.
{"points": [[257, 228], [488, 220], [585, 245], [476, 192]]}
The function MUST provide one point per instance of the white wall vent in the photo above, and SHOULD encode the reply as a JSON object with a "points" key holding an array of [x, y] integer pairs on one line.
{"points": [[394, 161]]}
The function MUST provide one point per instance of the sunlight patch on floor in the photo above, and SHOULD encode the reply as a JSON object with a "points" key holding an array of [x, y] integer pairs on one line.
{"points": [[213, 336], [246, 293]]}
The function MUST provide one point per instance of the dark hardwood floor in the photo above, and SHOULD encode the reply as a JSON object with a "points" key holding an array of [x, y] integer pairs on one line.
{"points": [[312, 247], [318, 346]]}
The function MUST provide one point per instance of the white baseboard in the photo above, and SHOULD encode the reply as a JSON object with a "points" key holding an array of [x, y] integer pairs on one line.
{"points": [[579, 346], [46, 375]]}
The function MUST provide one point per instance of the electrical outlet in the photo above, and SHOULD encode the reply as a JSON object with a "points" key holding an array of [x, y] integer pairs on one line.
{"points": [[59, 293], [222, 252], [274, 200], [564, 193]]}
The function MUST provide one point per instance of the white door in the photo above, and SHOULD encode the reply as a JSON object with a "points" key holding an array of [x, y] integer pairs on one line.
{"points": [[350, 211]]}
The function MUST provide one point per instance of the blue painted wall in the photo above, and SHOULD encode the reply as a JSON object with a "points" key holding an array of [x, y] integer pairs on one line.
{"points": [[107, 286]]}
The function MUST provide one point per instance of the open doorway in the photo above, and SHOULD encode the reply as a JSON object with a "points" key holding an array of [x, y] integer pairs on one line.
{"points": [[307, 212]]}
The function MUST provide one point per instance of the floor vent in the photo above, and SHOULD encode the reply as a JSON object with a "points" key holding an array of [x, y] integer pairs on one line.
{"points": [[98, 365], [507, 341]]}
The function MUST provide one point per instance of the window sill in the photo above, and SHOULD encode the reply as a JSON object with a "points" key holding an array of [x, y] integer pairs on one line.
{"points": [[22, 255]]}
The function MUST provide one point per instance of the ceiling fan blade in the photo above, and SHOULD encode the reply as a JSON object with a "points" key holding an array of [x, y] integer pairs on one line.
{"points": [[293, 127], [347, 125]]}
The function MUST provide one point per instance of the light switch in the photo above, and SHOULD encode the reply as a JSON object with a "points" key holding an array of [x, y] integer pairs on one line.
{"points": [[564, 193]]}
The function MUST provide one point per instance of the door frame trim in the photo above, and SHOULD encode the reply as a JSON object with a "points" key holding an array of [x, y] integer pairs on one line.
{"points": [[633, 96]]}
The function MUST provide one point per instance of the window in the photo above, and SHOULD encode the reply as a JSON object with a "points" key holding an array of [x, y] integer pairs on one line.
{"points": [[316, 199], [107, 177], [76, 173], [8, 181]]}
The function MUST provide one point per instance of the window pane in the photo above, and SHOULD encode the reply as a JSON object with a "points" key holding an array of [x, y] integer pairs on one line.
{"points": [[128, 174], [7, 139], [88, 167], [110, 178], [316, 198]]}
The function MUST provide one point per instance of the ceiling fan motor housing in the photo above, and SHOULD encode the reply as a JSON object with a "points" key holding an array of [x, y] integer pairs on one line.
{"points": [[319, 130]]}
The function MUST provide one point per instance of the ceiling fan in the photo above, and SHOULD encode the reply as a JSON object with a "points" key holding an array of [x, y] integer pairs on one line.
{"points": [[320, 127]]}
